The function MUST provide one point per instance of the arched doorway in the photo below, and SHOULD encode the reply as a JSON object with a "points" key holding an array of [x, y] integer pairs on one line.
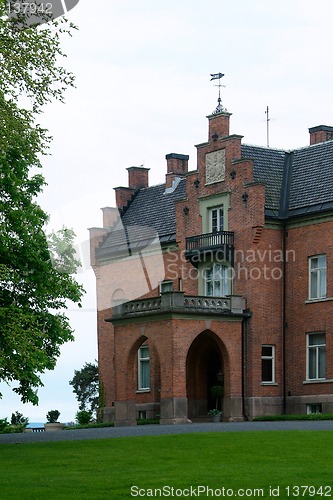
{"points": [[204, 369]]}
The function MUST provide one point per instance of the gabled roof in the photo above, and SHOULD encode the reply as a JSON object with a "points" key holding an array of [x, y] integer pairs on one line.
{"points": [[155, 208], [312, 177], [268, 168], [151, 211], [297, 182]]}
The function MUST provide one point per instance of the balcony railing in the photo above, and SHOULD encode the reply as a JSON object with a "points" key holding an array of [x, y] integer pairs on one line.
{"points": [[177, 302], [200, 246]]}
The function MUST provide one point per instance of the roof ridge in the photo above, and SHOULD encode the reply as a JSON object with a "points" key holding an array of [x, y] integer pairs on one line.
{"points": [[310, 146], [266, 148]]}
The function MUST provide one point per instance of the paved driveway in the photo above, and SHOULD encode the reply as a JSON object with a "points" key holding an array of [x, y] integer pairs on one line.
{"points": [[156, 430]]}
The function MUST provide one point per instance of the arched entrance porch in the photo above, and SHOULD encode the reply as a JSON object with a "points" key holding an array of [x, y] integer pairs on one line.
{"points": [[205, 367]]}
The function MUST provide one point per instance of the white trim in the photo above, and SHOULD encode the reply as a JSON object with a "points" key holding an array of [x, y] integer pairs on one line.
{"points": [[142, 360], [219, 209], [316, 347], [272, 358], [318, 272]]}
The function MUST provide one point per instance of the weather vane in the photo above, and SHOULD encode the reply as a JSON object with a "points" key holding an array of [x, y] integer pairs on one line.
{"points": [[218, 76]]}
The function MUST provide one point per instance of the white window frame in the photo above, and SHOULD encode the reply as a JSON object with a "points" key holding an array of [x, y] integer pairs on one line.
{"points": [[316, 348], [223, 282], [314, 408], [166, 286], [219, 219], [317, 276], [143, 360], [269, 358]]}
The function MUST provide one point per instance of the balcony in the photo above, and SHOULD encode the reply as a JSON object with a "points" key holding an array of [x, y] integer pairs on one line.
{"points": [[219, 245], [178, 303]]}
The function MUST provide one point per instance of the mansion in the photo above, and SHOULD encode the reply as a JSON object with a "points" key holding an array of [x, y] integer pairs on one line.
{"points": [[221, 275]]}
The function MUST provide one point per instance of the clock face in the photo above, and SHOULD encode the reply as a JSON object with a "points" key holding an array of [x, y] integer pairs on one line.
{"points": [[215, 166]]}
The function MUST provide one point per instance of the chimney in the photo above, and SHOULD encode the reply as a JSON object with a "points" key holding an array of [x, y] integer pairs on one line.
{"points": [[123, 196], [321, 133], [110, 216], [177, 166], [218, 127], [137, 177]]}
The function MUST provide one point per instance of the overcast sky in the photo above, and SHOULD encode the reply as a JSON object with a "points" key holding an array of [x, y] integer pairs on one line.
{"points": [[144, 90]]}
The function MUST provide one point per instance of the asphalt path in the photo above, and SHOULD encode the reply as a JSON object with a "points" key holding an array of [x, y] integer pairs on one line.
{"points": [[158, 430]]}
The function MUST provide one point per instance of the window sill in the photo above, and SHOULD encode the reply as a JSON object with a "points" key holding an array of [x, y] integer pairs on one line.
{"points": [[140, 391], [269, 383], [313, 301], [319, 381]]}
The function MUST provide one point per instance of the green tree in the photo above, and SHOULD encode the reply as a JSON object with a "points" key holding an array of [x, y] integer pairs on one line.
{"points": [[19, 419], [86, 387], [36, 275]]}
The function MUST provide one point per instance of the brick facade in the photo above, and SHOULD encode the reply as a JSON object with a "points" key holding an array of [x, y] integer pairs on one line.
{"points": [[196, 338]]}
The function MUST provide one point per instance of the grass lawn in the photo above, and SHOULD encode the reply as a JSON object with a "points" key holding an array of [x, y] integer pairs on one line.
{"points": [[107, 469]]}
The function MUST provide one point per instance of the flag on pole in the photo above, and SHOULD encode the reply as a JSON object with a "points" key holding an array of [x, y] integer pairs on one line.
{"points": [[216, 76]]}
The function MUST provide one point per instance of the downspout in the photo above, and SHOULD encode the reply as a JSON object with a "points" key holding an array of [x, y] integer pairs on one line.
{"points": [[283, 215], [243, 367], [284, 314]]}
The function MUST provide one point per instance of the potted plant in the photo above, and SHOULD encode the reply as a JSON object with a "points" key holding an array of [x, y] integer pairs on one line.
{"points": [[52, 421], [217, 391], [215, 414]]}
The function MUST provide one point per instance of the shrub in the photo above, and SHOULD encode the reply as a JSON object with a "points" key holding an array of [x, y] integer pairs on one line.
{"points": [[3, 424], [52, 416], [19, 419], [83, 417], [147, 421], [303, 416], [7, 428]]}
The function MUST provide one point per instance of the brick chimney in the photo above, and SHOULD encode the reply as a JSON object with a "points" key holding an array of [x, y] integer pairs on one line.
{"points": [[123, 196], [321, 133], [137, 177], [177, 166], [110, 216]]}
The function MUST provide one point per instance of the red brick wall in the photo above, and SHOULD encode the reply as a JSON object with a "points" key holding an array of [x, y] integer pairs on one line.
{"points": [[302, 317], [105, 337], [169, 342]]}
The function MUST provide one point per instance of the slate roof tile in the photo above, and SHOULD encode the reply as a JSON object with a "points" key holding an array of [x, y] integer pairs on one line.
{"points": [[151, 209], [312, 176], [268, 168]]}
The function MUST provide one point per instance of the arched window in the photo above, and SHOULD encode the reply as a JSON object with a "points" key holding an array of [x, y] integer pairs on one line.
{"points": [[216, 281], [143, 368]]}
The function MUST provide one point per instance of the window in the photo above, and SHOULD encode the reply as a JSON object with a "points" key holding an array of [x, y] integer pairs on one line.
{"points": [[216, 281], [143, 368], [166, 286], [267, 364], [316, 356], [216, 219], [317, 277], [314, 408]]}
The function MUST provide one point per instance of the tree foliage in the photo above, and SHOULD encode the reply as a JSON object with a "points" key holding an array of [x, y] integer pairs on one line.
{"points": [[36, 275], [86, 387]]}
